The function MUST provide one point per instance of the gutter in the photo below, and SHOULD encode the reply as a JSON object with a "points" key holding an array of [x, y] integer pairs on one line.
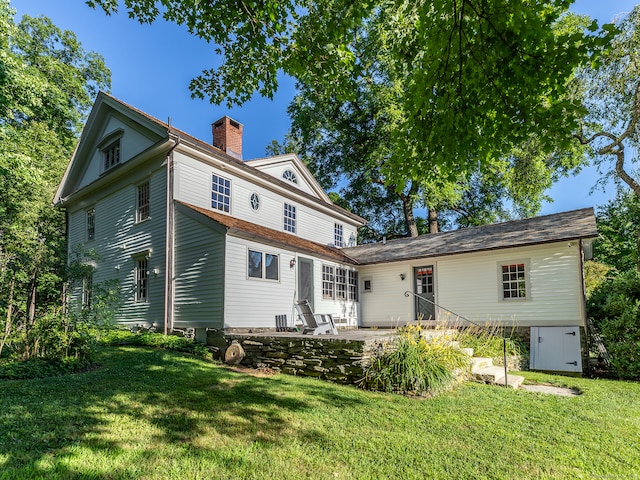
{"points": [[169, 238]]}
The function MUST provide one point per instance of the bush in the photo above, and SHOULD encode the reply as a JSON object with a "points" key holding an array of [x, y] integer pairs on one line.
{"points": [[116, 336], [614, 307], [415, 365], [487, 342], [41, 367]]}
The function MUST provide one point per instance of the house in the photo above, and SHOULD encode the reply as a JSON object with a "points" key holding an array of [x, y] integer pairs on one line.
{"points": [[198, 238]]}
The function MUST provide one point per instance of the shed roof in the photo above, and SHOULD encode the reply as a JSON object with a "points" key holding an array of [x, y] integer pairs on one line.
{"points": [[566, 226], [252, 231]]}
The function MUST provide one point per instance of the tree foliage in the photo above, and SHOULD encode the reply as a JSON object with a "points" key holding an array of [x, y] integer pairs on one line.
{"points": [[47, 85], [618, 222], [480, 77], [359, 145], [612, 127]]}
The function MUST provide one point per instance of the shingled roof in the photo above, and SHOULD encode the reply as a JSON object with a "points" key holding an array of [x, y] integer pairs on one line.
{"points": [[252, 231], [557, 227]]}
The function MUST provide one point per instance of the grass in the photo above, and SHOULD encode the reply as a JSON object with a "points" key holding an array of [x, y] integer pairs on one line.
{"points": [[153, 414]]}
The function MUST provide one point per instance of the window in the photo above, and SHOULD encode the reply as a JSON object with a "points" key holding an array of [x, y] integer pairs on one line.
{"points": [[254, 201], [290, 176], [327, 281], [220, 193], [87, 286], [91, 224], [111, 155], [367, 286], [337, 235], [341, 283], [263, 265], [142, 280], [289, 218], [513, 278], [353, 285], [142, 211]]}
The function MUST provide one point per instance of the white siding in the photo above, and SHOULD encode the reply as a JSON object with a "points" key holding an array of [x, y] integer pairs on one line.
{"points": [[469, 286], [254, 303], [132, 143], [118, 239], [193, 186], [199, 271], [276, 170]]}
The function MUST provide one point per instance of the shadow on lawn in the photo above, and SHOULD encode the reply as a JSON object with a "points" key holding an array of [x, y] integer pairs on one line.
{"points": [[183, 401]]}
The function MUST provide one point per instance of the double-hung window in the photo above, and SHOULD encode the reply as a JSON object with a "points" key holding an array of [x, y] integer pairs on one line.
{"points": [[353, 285], [327, 281], [220, 193], [289, 218], [338, 240], [341, 283], [514, 281], [143, 202], [263, 265], [142, 280], [91, 224], [87, 287]]}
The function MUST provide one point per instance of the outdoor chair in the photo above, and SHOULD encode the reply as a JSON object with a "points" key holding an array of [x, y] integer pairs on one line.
{"points": [[315, 324]]}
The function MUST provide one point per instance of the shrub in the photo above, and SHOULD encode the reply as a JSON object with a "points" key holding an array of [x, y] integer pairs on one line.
{"points": [[415, 365], [614, 307], [487, 342], [116, 336]]}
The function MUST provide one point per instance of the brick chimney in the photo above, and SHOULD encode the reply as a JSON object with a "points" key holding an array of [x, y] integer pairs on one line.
{"points": [[227, 136]]}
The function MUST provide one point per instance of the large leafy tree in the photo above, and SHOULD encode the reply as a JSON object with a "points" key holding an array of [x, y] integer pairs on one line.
{"points": [[47, 85], [349, 143], [612, 93], [618, 221], [450, 85]]}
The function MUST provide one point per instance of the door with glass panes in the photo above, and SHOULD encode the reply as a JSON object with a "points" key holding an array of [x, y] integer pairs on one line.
{"points": [[425, 293]]}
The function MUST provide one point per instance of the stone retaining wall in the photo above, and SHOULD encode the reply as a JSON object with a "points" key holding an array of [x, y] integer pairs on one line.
{"points": [[338, 360]]}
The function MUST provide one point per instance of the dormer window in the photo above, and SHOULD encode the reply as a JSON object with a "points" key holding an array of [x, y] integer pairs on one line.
{"points": [[290, 176], [111, 155]]}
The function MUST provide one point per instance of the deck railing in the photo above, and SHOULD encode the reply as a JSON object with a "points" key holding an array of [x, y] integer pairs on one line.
{"points": [[482, 327]]}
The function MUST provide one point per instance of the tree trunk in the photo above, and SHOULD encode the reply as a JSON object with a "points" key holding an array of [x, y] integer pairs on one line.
{"points": [[7, 326], [433, 221], [409, 218]]}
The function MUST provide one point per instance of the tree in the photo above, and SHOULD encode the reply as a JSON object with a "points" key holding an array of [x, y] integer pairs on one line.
{"points": [[476, 71], [618, 221], [355, 139], [443, 88], [612, 93], [47, 84]]}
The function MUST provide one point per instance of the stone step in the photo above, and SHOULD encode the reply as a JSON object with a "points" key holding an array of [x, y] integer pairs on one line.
{"points": [[478, 363], [468, 351], [494, 374], [514, 381]]}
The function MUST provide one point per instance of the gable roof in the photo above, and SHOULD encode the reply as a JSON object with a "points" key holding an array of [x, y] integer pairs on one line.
{"points": [[291, 158], [252, 231], [566, 226], [168, 137]]}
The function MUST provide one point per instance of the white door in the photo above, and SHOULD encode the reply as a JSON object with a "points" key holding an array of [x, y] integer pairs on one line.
{"points": [[556, 349]]}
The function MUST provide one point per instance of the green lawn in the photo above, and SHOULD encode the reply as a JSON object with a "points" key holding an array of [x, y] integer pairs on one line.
{"points": [[147, 413]]}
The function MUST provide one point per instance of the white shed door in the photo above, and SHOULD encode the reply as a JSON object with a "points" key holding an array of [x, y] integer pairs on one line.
{"points": [[556, 349]]}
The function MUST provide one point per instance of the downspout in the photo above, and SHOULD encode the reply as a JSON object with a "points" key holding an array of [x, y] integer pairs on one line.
{"points": [[169, 235], [583, 307]]}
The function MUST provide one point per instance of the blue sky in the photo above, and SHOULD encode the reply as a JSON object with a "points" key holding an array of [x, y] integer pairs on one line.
{"points": [[152, 65]]}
